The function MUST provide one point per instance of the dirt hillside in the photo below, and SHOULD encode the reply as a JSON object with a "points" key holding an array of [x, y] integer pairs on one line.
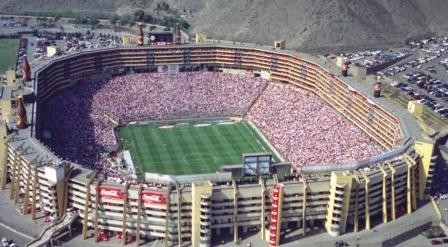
{"points": [[311, 25]]}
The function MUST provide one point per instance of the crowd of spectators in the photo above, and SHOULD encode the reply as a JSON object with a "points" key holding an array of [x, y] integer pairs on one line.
{"points": [[178, 95], [303, 128], [79, 133], [78, 117], [306, 130]]}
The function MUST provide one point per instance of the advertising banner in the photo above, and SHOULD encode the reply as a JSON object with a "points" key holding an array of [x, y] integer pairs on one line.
{"points": [[153, 197], [110, 193]]}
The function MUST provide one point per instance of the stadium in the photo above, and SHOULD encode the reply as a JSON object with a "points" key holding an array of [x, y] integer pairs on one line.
{"points": [[223, 140]]}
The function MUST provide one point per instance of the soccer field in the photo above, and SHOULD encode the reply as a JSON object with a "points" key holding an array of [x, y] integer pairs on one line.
{"points": [[190, 148]]}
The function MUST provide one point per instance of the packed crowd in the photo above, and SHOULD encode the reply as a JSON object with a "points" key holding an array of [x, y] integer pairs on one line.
{"points": [[161, 96], [78, 117], [78, 132], [306, 130]]}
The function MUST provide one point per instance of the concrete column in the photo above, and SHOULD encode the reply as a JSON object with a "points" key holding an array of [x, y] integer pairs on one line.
{"points": [[304, 205], [17, 179], [125, 213], [263, 209], [167, 214], [3, 145], [95, 225], [234, 229], [87, 206], [384, 194], [367, 206], [139, 213], [409, 189], [392, 198], [27, 192], [34, 193], [179, 215], [13, 177], [392, 190], [356, 215], [413, 188]]}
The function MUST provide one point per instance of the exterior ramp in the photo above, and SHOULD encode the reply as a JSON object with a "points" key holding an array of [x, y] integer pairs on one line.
{"points": [[53, 230]]}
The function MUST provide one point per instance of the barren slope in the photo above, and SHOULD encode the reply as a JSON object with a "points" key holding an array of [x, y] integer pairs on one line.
{"points": [[306, 24]]}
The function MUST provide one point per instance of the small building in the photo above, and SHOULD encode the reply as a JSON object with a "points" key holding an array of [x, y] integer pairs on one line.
{"points": [[280, 44], [200, 37], [53, 51]]}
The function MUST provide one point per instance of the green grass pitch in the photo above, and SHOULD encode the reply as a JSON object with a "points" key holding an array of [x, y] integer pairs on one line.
{"points": [[189, 148], [8, 53]]}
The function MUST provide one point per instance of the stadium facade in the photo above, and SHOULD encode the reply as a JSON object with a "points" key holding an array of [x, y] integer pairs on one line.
{"points": [[193, 210]]}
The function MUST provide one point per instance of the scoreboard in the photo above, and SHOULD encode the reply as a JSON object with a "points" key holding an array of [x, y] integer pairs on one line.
{"points": [[161, 38], [256, 164]]}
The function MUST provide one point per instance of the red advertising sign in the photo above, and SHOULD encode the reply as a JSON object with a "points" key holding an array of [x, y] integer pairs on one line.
{"points": [[152, 197], [110, 192]]}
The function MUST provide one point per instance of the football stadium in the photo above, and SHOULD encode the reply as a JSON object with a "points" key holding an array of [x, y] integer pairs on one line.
{"points": [[186, 142]]}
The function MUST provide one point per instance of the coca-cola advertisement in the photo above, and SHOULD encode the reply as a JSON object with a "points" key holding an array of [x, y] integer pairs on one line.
{"points": [[110, 192], [152, 197]]}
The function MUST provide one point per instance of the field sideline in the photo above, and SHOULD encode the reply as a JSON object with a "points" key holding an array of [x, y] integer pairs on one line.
{"points": [[189, 148]]}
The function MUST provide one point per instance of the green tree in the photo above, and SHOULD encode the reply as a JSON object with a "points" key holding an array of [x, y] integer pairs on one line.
{"points": [[148, 18], [124, 19], [164, 6], [184, 24], [131, 21], [139, 15], [93, 20], [114, 19]]}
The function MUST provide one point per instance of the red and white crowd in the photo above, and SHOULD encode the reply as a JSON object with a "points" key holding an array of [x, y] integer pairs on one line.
{"points": [[306, 130], [178, 95], [303, 128], [80, 132]]}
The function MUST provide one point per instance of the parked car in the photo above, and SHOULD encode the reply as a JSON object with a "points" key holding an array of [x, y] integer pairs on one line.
{"points": [[436, 242], [5, 242]]}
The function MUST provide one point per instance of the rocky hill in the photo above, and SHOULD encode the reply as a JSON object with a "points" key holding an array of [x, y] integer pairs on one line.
{"points": [[311, 25]]}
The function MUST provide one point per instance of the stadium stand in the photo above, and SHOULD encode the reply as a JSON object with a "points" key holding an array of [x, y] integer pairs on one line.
{"points": [[296, 121], [340, 198], [308, 131]]}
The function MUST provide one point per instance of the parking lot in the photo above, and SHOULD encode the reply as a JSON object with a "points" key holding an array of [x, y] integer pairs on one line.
{"points": [[424, 75], [370, 59]]}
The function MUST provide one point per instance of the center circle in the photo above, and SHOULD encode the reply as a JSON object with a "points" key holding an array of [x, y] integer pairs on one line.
{"points": [[199, 158]]}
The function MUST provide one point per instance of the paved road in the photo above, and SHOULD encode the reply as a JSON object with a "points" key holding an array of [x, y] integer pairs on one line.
{"points": [[19, 239]]}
